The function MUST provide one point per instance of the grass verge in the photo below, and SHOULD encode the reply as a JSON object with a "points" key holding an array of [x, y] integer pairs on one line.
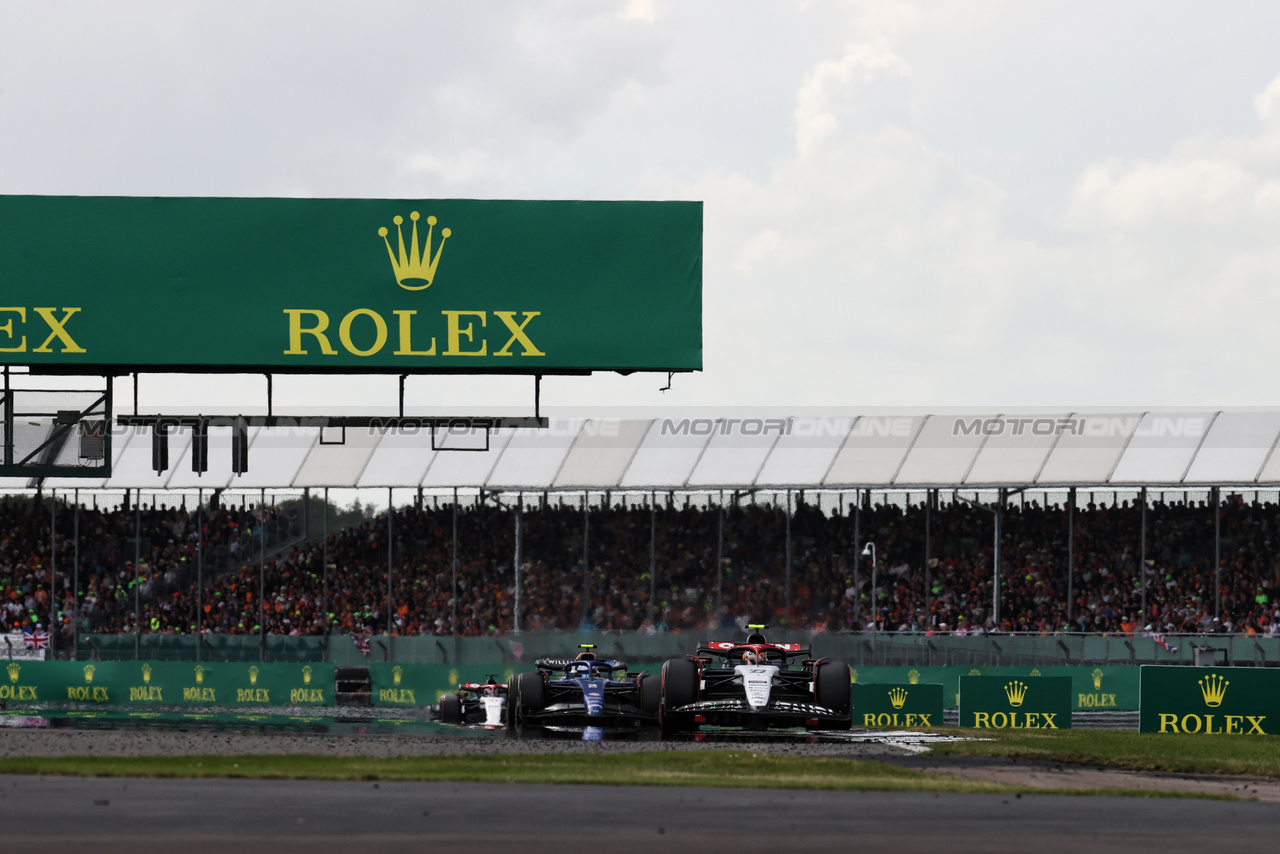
{"points": [[1134, 751], [720, 768]]}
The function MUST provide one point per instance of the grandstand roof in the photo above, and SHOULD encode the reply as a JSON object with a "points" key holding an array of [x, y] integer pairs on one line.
{"points": [[1172, 449]]}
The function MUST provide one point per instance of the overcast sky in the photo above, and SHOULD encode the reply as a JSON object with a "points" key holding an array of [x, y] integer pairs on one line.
{"points": [[924, 204]]}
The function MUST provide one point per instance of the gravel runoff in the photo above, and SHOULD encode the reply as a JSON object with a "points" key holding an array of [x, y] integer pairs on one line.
{"points": [[56, 742]]}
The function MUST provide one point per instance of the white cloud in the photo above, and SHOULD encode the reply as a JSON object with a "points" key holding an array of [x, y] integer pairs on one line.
{"points": [[641, 11], [1267, 102]]}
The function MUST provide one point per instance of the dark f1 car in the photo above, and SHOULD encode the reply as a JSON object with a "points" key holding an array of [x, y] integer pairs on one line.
{"points": [[476, 704], [581, 691], [756, 685]]}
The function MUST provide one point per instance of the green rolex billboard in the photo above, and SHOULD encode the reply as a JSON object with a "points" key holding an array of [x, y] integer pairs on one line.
{"points": [[886, 705], [350, 285], [1210, 700], [1028, 702]]}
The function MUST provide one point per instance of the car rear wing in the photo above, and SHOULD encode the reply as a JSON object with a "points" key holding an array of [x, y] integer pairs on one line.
{"points": [[786, 651], [561, 663]]}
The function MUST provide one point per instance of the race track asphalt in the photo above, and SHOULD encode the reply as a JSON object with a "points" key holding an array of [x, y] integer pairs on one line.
{"points": [[107, 815]]}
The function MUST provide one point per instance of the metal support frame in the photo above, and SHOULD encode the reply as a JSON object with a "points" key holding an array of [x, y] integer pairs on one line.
{"points": [[653, 557], [787, 576], [586, 557], [516, 621], [1142, 560], [1071, 554], [1217, 554], [391, 508], [53, 573], [453, 599], [75, 581], [137, 567], [720, 555]]}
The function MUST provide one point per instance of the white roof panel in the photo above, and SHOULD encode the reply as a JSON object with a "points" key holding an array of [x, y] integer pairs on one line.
{"points": [[1236, 447], [602, 452], [737, 450], [804, 453], [335, 465], [1015, 449], [275, 455], [1162, 447], [1089, 448], [668, 453], [873, 450], [944, 450], [466, 468], [533, 457], [401, 459]]}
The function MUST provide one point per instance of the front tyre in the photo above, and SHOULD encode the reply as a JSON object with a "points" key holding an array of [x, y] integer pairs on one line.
{"points": [[530, 695], [450, 709], [832, 690]]}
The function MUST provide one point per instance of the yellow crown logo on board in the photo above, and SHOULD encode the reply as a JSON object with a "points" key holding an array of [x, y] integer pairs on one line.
{"points": [[1097, 679], [975, 672], [1214, 688], [1016, 692], [913, 676], [14, 669], [898, 696], [146, 674], [396, 673], [306, 675], [199, 674], [414, 266], [1035, 671], [88, 672], [253, 675], [853, 674], [453, 677]]}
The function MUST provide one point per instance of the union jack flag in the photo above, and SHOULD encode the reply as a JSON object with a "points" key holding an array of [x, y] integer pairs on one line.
{"points": [[35, 640], [362, 643], [1164, 643]]}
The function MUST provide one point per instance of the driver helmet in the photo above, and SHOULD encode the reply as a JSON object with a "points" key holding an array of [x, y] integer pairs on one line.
{"points": [[488, 691], [586, 656], [750, 657]]}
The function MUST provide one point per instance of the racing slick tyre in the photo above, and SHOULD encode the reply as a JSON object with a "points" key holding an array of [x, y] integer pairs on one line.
{"points": [[450, 709], [650, 688], [530, 695], [679, 688], [831, 688], [513, 701]]}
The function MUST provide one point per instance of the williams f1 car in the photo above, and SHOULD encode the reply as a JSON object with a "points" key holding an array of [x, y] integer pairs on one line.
{"points": [[581, 691], [476, 704], [755, 685]]}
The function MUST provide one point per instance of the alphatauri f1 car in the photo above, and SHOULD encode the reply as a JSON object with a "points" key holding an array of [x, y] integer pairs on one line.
{"points": [[476, 704], [756, 685], [581, 691]]}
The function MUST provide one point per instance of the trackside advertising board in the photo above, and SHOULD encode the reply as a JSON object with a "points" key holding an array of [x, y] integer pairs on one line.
{"points": [[167, 683], [1031, 702], [1093, 688], [1210, 700], [895, 706], [378, 285]]}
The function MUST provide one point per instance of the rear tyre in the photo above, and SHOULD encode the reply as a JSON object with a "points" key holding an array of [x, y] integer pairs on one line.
{"points": [[450, 709], [530, 695], [679, 688], [832, 687]]}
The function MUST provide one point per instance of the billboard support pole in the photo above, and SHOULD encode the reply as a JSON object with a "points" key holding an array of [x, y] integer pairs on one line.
{"points": [[137, 565], [653, 557], [720, 555], [324, 572], [391, 502], [262, 575], [1217, 553], [199, 569], [786, 588]]}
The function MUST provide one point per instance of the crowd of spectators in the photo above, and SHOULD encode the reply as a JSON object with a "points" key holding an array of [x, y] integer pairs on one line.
{"points": [[713, 567]]}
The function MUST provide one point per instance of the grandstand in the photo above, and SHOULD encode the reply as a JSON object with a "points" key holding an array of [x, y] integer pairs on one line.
{"points": [[852, 525]]}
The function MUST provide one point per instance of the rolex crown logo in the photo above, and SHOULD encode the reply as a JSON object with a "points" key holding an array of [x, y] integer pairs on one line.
{"points": [[1035, 671], [146, 674], [253, 675], [414, 266], [1016, 692], [975, 672], [898, 696], [14, 669], [853, 674], [396, 673], [88, 672], [1097, 679], [913, 676], [306, 675], [1214, 689], [199, 674]]}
